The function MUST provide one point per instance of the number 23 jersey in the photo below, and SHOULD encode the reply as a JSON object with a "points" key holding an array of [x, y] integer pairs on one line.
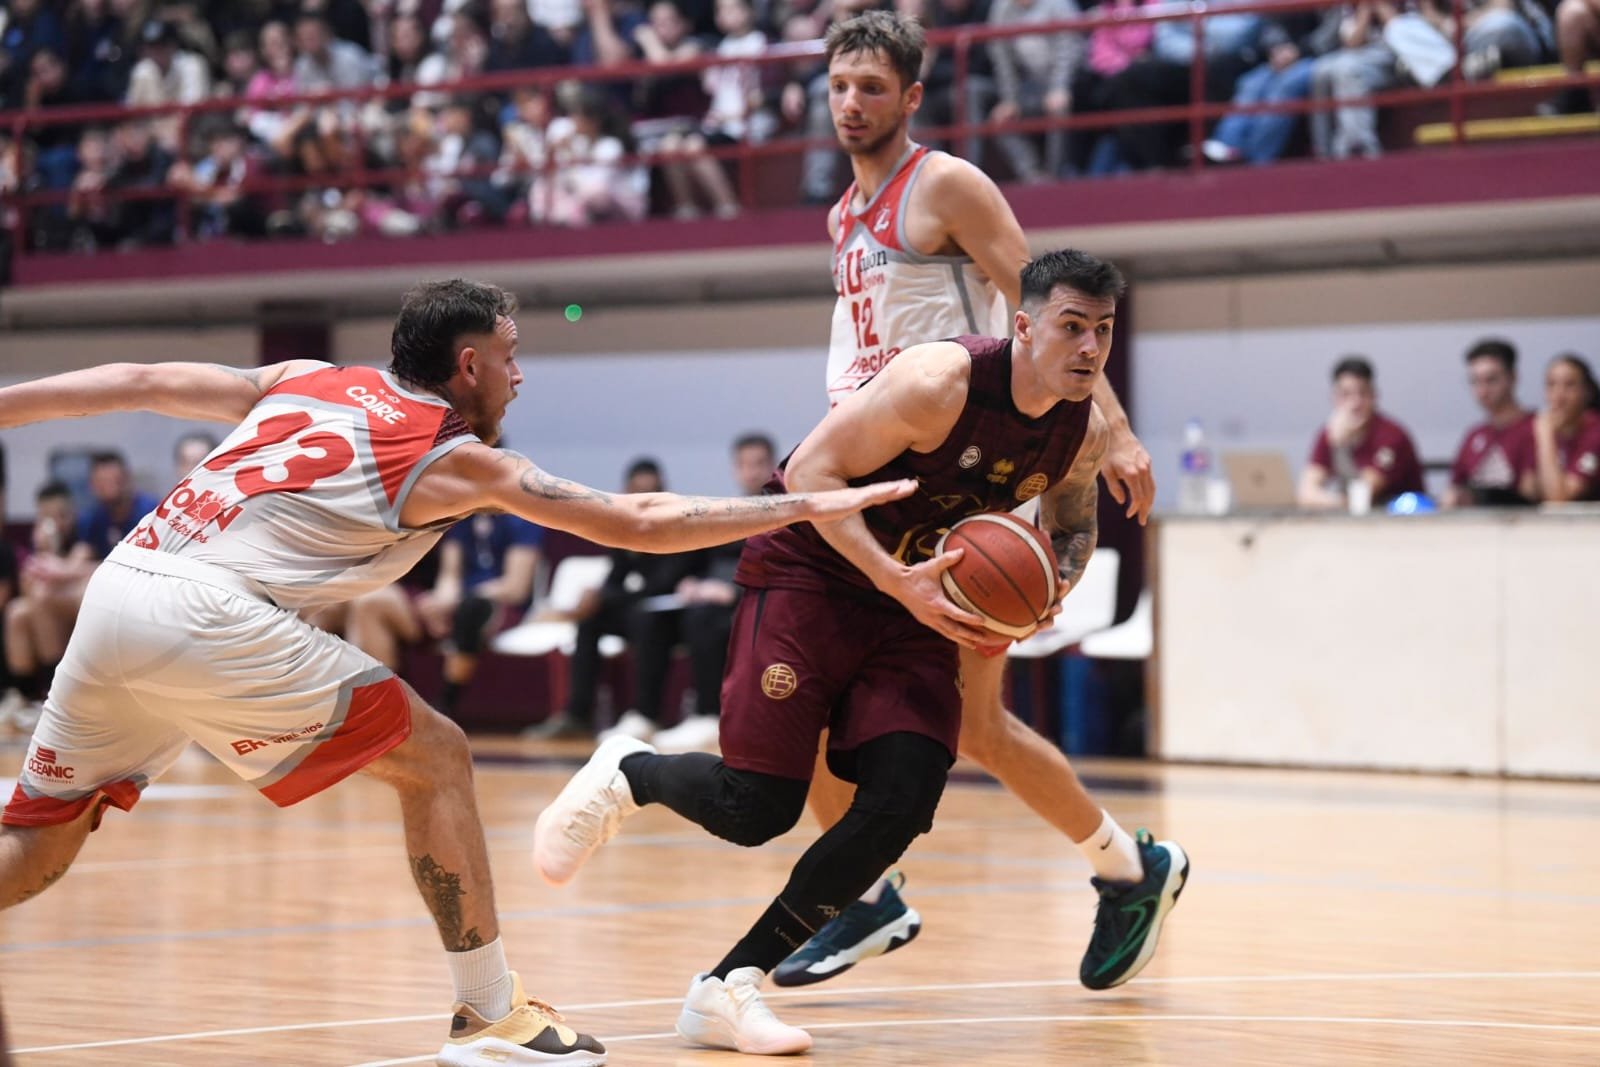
{"points": [[892, 297], [304, 496]]}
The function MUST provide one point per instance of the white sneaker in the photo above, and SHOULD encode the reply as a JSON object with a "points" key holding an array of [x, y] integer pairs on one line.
{"points": [[11, 706], [25, 718], [633, 725], [587, 813], [697, 733], [731, 1014]]}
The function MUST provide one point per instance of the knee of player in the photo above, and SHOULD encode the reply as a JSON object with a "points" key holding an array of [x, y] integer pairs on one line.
{"points": [[440, 742], [903, 814], [767, 808]]}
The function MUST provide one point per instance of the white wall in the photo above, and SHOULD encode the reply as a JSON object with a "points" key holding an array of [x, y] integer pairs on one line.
{"points": [[1461, 642]]}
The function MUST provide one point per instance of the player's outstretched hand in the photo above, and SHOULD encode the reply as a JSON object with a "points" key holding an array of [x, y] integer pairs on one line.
{"points": [[1127, 473], [922, 593], [837, 503]]}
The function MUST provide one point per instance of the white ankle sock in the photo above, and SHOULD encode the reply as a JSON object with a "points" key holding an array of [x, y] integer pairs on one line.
{"points": [[482, 980], [1112, 853], [871, 896]]}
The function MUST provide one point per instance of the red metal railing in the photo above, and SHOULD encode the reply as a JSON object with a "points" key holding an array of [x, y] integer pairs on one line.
{"points": [[1455, 91]]}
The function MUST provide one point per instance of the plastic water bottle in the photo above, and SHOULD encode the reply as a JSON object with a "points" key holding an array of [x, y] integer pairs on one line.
{"points": [[1194, 478]]}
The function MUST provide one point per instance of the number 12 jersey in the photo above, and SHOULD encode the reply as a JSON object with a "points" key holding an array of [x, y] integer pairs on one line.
{"points": [[891, 296]]}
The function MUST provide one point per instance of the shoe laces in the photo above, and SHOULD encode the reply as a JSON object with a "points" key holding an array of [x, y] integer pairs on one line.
{"points": [[747, 1001], [540, 1008], [599, 820]]}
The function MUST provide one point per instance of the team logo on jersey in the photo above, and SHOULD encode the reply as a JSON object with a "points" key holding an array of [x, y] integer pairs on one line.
{"points": [[881, 222], [970, 457], [43, 764], [1587, 463], [1032, 486], [1384, 458], [1002, 471], [779, 682]]}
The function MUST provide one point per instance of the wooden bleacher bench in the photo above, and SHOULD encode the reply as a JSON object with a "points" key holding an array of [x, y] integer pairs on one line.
{"points": [[1525, 75], [1435, 133], [1516, 126]]}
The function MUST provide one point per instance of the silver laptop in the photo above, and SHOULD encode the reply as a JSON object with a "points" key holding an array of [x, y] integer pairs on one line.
{"points": [[1259, 480]]}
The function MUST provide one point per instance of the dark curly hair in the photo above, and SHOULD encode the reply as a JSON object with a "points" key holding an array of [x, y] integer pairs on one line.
{"points": [[433, 317]]}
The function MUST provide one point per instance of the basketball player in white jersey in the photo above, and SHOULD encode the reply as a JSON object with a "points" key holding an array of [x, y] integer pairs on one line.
{"points": [[334, 482], [925, 247]]}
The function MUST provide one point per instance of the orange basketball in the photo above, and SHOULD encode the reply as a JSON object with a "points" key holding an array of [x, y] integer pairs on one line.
{"points": [[1007, 574]]}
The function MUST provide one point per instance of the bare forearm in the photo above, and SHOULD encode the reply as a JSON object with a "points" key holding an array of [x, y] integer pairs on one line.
{"points": [[1074, 526], [657, 522], [76, 394], [1105, 398], [182, 390]]}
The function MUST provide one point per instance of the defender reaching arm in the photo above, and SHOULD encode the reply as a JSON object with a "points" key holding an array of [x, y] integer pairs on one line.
{"points": [[183, 390], [478, 478]]}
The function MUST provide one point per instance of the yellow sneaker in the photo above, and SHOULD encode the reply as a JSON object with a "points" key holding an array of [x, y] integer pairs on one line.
{"points": [[534, 1033]]}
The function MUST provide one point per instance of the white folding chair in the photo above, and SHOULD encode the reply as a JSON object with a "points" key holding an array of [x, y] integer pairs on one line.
{"points": [[1132, 638], [541, 635]]}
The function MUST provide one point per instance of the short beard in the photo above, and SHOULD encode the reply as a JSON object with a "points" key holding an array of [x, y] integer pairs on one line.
{"points": [[872, 148], [470, 411]]}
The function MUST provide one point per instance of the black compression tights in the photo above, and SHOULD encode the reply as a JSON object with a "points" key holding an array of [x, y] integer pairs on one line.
{"points": [[900, 778]]}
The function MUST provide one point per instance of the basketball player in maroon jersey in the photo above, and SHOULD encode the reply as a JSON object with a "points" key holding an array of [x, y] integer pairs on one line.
{"points": [[926, 246], [844, 626], [334, 482]]}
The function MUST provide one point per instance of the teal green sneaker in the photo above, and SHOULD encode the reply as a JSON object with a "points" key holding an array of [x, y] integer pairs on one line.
{"points": [[860, 932], [1128, 920]]}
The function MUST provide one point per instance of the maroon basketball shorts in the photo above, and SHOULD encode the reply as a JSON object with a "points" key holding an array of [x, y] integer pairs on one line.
{"points": [[800, 662]]}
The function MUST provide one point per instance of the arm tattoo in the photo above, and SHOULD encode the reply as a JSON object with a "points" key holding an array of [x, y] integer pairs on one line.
{"points": [[249, 374], [1071, 513], [536, 482], [1074, 529], [695, 507], [442, 892], [49, 880]]}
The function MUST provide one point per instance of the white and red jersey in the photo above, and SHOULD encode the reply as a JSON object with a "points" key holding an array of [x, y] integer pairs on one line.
{"points": [[892, 297], [303, 498]]}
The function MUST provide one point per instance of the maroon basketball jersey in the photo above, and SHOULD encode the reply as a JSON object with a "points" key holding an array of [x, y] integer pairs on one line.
{"points": [[994, 459]]}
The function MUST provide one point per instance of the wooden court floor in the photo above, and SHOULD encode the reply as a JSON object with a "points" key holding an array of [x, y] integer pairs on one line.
{"points": [[1330, 919]]}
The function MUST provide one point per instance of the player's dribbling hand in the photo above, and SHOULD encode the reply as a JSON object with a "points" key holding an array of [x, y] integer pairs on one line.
{"points": [[1127, 473], [923, 595]]}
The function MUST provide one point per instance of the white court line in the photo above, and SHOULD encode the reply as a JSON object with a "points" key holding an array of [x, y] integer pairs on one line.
{"points": [[952, 987], [1002, 1020]]}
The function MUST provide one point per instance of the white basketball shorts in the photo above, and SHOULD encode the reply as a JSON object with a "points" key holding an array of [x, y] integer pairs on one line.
{"points": [[166, 650]]}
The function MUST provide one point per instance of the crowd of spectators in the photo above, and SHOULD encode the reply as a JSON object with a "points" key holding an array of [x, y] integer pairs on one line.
{"points": [[1363, 458], [575, 152]]}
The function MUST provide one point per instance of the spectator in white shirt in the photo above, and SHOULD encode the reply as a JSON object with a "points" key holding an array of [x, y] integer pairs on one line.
{"points": [[166, 75]]}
